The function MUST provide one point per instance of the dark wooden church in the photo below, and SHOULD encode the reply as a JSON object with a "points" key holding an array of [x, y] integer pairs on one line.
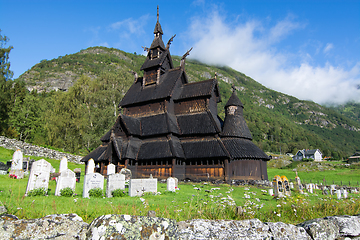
{"points": [[170, 127]]}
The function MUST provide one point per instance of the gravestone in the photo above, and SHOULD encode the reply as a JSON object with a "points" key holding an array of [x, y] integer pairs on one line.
{"points": [[278, 186], [63, 165], [3, 167], [298, 185], [66, 179], [171, 184], [111, 169], [91, 181], [90, 168], [17, 165], [17, 160], [126, 172], [115, 181], [286, 186], [345, 193], [139, 186], [39, 176], [325, 191], [271, 191], [291, 185], [338, 194], [332, 189], [77, 172]]}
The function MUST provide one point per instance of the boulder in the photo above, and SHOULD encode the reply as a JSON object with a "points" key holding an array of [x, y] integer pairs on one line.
{"points": [[57, 226], [223, 229], [132, 227]]}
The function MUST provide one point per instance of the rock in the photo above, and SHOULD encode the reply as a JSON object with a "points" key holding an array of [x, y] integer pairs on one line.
{"points": [[33, 150], [284, 231], [321, 228], [349, 225], [2, 208], [57, 226], [151, 214], [223, 229], [132, 227]]}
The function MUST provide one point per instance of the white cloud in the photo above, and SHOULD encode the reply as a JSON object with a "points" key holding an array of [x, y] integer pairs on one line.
{"points": [[258, 53], [130, 25], [328, 47]]}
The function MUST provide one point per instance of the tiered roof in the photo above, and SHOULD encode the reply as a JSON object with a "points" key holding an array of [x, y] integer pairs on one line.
{"points": [[165, 117]]}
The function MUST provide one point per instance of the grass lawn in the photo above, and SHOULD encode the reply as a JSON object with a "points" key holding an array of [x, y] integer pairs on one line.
{"points": [[210, 202]]}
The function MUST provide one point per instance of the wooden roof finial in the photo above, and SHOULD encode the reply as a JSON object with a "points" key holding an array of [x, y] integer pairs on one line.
{"points": [[170, 41], [158, 13], [182, 63]]}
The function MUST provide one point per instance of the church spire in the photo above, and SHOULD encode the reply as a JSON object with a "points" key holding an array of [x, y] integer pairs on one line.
{"points": [[234, 122], [157, 42]]}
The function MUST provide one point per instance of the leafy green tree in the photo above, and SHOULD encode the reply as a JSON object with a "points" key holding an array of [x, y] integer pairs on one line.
{"points": [[5, 84]]}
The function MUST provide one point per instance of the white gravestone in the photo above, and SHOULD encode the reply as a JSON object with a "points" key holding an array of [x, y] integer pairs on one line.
{"points": [[139, 186], [90, 166], [17, 161], [291, 185], [17, 165], [39, 176], [338, 194], [271, 191], [115, 181], [345, 193], [91, 181], [63, 165], [111, 169], [66, 179], [171, 184]]}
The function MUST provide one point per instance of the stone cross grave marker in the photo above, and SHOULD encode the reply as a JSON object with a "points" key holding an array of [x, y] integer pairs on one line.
{"points": [[91, 181], [111, 169], [63, 165], [115, 181], [171, 184], [39, 176], [66, 179], [90, 166], [139, 186]]}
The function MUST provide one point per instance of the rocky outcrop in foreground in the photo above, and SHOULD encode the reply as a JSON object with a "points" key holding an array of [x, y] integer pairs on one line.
{"points": [[33, 150], [71, 226]]}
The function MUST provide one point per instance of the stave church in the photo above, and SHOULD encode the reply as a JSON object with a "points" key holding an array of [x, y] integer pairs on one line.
{"points": [[169, 127]]}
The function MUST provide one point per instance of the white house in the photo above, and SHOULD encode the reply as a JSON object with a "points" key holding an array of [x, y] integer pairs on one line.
{"points": [[306, 153]]}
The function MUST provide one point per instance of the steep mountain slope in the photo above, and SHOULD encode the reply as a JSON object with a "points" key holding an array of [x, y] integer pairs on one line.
{"points": [[278, 122]]}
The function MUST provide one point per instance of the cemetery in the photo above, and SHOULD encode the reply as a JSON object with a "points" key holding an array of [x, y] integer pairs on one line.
{"points": [[171, 198], [112, 193]]}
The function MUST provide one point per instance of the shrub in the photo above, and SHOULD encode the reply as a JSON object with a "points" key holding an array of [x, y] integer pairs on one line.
{"points": [[38, 192], [96, 192], [67, 192], [118, 193]]}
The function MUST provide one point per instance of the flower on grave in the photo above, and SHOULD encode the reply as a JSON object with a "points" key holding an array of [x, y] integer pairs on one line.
{"points": [[54, 178]]}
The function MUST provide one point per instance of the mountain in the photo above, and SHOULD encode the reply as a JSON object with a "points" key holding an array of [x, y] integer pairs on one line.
{"points": [[278, 122]]}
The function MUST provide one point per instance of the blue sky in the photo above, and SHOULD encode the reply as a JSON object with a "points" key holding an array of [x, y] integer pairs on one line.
{"points": [[308, 49]]}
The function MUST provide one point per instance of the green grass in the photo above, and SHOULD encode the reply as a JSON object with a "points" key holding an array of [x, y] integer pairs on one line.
{"points": [[186, 203]]}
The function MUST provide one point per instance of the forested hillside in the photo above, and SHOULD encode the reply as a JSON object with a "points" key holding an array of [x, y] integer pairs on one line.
{"points": [[70, 102]]}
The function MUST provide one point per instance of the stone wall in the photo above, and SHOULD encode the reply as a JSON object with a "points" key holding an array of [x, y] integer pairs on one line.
{"points": [[33, 150], [71, 226]]}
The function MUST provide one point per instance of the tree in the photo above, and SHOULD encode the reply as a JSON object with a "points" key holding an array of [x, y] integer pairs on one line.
{"points": [[5, 85]]}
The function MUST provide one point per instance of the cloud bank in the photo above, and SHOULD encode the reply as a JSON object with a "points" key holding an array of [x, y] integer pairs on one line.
{"points": [[256, 51]]}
